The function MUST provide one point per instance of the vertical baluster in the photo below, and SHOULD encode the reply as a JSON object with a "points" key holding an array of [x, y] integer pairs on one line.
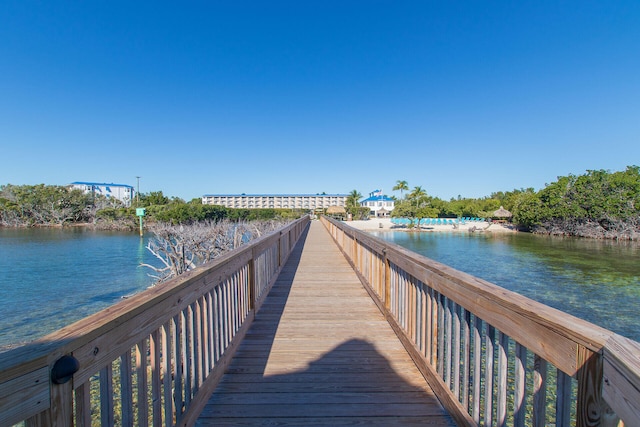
{"points": [[456, 350], [428, 314], [106, 395], [141, 375], [238, 295], [393, 285], [489, 374], [166, 374], [466, 337], [156, 397], [412, 311], [178, 365], [448, 342], [83, 405], [187, 338], [539, 391], [126, 389], [477, 367], [228, 313], [206, 337], [503, 369], [216, 324], [441, 333], [563, 399], [243, 295], [401, 302], [196, 314], [519, 393], [223, 315], [424, 321], [407, 306], [435, 311], [233, 300]]}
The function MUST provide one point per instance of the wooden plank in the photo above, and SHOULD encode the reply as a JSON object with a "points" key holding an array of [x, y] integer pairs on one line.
{"points": [[335, 421], [307, 356], [25, 396]]}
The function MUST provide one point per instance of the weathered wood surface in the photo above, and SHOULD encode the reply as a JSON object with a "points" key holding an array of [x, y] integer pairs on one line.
{"points": [[320, 353]]}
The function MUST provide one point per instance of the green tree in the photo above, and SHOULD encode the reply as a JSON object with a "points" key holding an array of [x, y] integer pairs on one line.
{"points": [[353, 199], [402, 186], [353, 206], [153, 198], [417, 206]]}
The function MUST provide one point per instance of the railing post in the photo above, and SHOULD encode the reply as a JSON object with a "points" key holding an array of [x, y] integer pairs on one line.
{"points": [[591, 409], [62, 404]]}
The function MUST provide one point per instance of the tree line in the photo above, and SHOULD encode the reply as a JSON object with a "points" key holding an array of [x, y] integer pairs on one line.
{"points": [[53, 205], [597, 204]]}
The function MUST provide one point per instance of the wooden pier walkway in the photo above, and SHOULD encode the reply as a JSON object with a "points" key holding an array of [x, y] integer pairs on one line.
{"points": [[320, 353]]}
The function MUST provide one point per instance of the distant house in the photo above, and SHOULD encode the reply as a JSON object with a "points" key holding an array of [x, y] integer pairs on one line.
{"points": [[122, 192], [379, 205]]}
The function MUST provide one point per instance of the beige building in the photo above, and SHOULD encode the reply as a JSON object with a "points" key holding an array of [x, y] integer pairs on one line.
{"points": [[275, 201]]}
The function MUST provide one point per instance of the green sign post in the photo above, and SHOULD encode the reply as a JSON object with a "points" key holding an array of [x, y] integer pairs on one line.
{"points": [[140, 213]]}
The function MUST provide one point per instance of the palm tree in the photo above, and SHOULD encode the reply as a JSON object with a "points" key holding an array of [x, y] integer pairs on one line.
{"points": [[418, 194], [354, 198], [401, 185]]}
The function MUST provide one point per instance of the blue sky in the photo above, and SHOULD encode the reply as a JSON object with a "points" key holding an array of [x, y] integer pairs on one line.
{"points": [[459, 97]]}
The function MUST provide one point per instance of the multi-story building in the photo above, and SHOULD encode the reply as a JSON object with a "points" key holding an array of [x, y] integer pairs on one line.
{"points": [[122, 192], [378, 204], [276, 201]]}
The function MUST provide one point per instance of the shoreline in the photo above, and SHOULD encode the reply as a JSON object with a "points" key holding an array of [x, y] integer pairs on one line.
{"points": [[384, 224]]}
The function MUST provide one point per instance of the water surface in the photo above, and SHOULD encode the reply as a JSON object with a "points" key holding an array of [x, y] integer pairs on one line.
{"points": [[52, 277]]}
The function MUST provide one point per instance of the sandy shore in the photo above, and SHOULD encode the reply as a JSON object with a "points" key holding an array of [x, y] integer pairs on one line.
{"points": [[384, 224]]}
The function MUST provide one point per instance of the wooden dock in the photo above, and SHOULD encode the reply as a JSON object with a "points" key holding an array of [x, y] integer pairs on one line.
{"points": [[290, 330], [320, 353]]}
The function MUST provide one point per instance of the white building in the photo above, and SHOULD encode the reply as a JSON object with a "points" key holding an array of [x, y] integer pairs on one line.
{"points": [[122, 192], [379, 205], [275, 201]]}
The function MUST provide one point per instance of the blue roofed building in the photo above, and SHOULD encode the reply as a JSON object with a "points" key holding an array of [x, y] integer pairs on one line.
{"points": [[122, 192], [379, 205]]}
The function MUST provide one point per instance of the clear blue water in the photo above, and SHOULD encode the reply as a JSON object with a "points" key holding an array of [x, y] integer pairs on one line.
{"points": [[595, 280], [50, 278]]}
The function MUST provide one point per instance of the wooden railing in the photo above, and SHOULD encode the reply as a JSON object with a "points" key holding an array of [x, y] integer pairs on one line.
{"points": [[152, 359], [492, 356]]}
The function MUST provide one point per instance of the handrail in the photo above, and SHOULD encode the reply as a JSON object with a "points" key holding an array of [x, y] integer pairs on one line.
{"points": [[152, 359], [492, 356]]}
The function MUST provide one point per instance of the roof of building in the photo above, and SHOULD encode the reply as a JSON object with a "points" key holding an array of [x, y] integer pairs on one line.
{"points": [[275, 195], [381, 198], [103, 184]]}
